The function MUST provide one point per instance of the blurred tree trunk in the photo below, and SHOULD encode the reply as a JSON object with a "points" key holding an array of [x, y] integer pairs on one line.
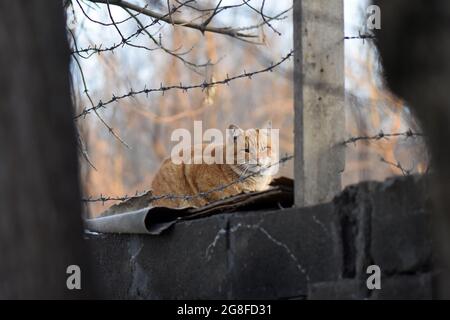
{"points": [[414, 44], [40, 211]]}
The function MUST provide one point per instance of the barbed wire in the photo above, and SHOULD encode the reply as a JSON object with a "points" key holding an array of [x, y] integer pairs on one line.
{"points": [[381, 135], [104, 198], [208, 13], [204, 85], [204, 194], [86, 92], [97, 49], [386, 136]]}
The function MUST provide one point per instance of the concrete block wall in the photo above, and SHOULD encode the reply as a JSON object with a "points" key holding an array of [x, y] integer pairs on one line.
{"points": [[319, 252]]}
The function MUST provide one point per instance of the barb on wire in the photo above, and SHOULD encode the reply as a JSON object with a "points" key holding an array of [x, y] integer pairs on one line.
{"points": [[381, 135], [204, 85], [204, 194]]}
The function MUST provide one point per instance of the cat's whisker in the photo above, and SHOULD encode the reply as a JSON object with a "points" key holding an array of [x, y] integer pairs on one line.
{"points": [[244, 172]]}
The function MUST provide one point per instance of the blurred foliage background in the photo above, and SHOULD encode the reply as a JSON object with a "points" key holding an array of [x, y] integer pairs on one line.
{"points": [[145, 123]]}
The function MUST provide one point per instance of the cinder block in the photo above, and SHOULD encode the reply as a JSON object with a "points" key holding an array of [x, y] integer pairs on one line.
{"points": [[400, 226], [385, 224], [276, 254], [187, 262], [353, 208]]}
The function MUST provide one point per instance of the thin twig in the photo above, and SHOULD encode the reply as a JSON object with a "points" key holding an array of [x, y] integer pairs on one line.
{"points": [[171, 20], [405, 172], [86, 92]]}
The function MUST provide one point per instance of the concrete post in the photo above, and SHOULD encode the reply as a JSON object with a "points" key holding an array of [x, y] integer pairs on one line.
{"points": [[319, 99]]}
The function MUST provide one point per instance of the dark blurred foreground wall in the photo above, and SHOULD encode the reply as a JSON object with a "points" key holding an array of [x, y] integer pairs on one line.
{"points": [[414, 45], [40, 213]]}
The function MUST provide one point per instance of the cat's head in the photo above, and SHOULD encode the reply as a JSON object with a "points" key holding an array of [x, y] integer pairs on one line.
{"points": [[255, 150]]}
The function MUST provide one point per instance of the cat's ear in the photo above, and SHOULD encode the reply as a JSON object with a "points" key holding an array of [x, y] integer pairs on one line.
{"points": [[235, 131]]}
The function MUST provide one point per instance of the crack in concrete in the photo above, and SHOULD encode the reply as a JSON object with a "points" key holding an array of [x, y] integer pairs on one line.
{"points": [[257, 226], [325, 229], [289, 252], [137, 251], [212, 245], [140, 280]]}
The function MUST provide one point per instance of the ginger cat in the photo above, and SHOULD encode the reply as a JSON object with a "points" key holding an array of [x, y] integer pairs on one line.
{"points": [[193, 179]]}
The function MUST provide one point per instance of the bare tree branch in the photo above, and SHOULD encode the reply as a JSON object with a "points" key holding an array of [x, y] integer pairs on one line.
{"points": [[172, 20]]}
